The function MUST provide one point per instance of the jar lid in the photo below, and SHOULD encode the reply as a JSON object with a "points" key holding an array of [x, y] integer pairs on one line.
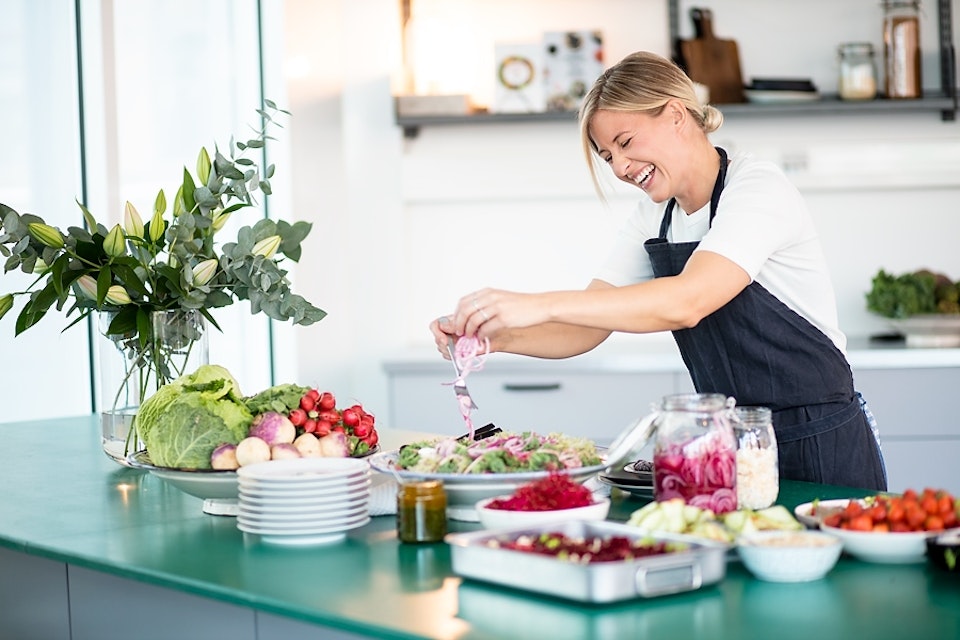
{"points": [[634, 436], [856, 47]]}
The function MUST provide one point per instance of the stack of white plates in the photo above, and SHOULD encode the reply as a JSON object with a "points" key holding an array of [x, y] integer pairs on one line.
{"points": [[304, 500]]}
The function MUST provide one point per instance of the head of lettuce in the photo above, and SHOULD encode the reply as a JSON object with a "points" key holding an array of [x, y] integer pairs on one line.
{"points": [[186, 419]]}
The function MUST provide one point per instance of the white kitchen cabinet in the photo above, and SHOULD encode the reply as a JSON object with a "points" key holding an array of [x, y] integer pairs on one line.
{"points": [[919, 429]]}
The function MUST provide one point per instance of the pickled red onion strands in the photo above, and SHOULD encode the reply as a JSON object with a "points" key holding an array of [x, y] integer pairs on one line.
{"points": [[470, 357], [701, 471]]}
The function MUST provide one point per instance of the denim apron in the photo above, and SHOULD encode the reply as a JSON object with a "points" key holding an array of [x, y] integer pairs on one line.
{"points": [[759, 351]]}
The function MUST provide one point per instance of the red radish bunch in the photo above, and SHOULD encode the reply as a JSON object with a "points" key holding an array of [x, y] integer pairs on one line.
{"points": [[318, 414]]}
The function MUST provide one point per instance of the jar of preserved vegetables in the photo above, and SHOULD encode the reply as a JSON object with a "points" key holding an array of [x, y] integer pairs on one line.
{"points": [[695, 451], [421, 511], [758, 476]]}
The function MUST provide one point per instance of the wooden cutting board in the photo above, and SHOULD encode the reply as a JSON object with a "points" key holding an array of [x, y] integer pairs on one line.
{"points": [[712, 61]]}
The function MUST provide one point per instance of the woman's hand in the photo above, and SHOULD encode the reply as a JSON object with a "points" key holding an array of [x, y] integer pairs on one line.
{"points": [[442, 330], [488, 312]]}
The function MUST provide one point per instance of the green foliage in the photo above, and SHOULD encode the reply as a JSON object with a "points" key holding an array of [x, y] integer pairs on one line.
{"points": [[153, 264], [281, 398], [909, 294]]}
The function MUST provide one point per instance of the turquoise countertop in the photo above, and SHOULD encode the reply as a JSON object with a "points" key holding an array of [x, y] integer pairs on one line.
{"points": [[62, 499]]}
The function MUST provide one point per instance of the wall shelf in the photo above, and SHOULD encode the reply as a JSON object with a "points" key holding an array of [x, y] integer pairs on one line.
{"points": [[944, 102], [828, 104]]}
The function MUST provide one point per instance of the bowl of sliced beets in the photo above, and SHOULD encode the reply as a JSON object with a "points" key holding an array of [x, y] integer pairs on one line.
{"points": [[555, 498]]}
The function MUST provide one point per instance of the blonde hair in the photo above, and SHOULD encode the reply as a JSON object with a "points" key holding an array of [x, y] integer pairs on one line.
{"points": [[642, 82]]}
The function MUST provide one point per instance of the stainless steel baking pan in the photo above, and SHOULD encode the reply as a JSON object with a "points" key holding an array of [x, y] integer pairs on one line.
{"points": [[704, 563]]}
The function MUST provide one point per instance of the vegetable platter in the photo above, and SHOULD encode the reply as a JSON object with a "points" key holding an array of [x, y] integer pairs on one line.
{"points": [[595, 562], [493, 466]]}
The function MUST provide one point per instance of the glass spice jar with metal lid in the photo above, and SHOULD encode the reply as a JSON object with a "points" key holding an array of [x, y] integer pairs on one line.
{"points": [[421, 511], [858, 72]]}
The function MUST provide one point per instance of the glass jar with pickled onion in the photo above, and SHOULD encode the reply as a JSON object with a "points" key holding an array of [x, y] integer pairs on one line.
{"points": [[695, 451], [758, 475]]}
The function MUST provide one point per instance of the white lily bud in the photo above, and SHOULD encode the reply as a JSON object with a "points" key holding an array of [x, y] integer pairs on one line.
{"points": [[132, 222], [115, 244], [220, 219], [267, 247], [88, 284], [117, 295], [203, 272]]}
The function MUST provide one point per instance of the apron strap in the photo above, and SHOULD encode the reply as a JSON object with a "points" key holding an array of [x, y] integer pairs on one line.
{"points": [[714, 197], [835, 420]]}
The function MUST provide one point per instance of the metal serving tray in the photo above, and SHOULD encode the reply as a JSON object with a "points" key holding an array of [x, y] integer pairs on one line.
{"points": [[597, 582]]}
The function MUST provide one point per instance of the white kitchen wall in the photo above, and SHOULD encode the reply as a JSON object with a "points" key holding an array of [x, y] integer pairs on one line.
{"points": [[414, 224]]}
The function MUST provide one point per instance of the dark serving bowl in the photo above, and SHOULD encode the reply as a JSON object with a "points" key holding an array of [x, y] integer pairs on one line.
{"points": [[944, 551]]}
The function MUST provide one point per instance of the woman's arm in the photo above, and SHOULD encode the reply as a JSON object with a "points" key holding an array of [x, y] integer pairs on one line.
{"points": [[560, 324]]}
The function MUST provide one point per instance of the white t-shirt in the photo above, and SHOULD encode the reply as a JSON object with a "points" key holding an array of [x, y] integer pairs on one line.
{"points": [[762, 225]]}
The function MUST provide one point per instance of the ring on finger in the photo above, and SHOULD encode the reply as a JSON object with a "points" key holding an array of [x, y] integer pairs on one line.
{"points": [[484, 314]]}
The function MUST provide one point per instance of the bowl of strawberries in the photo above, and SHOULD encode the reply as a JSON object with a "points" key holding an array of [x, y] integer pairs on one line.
{"points": [[894, 528]]}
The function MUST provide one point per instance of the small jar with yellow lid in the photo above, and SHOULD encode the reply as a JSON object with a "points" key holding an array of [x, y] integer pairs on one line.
{"points": [[421, 511]]}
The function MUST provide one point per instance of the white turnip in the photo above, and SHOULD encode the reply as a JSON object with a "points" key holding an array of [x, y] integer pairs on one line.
{"points": [[308, 445], [334, 445], [284, 452], [273, 428], [252, 450]]}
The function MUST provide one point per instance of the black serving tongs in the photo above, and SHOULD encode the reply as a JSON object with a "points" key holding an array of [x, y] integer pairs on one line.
{"points": [[485, 431]]}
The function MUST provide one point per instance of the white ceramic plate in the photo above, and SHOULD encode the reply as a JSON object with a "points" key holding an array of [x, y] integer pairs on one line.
{"points": [[886, 548], [325, 502], [301, 530], [307, 470], [339, 513], [805, 512], [300, 541], [760, 96], [305, 493], [309, 526]]}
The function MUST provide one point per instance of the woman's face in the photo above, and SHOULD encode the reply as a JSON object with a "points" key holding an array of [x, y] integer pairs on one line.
{"points": [[640, 149]]}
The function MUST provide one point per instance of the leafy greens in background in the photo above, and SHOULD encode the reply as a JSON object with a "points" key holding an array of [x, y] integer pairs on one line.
{"points": [[909, 294]]}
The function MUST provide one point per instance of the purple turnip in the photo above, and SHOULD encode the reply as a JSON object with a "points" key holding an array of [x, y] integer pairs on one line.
{"points": [[224, 457], [273, 428]]}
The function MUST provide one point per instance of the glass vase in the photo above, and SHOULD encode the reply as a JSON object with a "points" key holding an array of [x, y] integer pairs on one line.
{"points": [[131, 370]]}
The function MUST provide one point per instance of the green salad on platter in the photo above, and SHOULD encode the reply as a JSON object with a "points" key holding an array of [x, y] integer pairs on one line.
{"points": [[505, 452]]}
